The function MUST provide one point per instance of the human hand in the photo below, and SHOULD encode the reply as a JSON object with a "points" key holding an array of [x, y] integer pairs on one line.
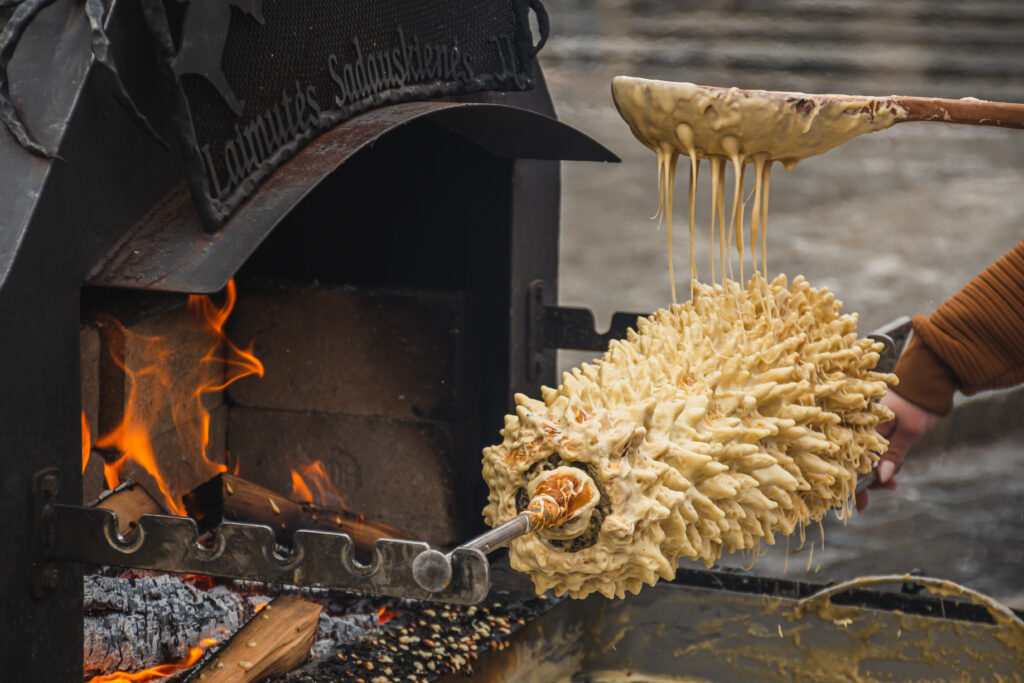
{"points": [[910, 423]]}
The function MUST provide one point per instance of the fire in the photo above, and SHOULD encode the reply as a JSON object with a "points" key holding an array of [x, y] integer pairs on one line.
{"points": [[313, 485], [300, 492], [200, 581], [384, 615], [131, 438], [236, 363], [182, 391], [157, 672], [86, 442]]}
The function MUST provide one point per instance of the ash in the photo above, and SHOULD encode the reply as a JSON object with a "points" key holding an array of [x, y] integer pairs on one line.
{"points": [[135, 622], [423, 641]]}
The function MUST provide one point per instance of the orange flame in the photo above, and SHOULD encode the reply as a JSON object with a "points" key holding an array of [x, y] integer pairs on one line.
{"points": [[313, 485], [201, 581], [384, 615], [131, 438], [182, 392], [86, 442], [300, 492], [236, 363], [157, 672], [235, 463]]}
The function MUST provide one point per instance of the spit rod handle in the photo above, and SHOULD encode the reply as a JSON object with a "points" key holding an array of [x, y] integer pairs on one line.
{"points": [[519, 525], [432, 569], [894, 337]]}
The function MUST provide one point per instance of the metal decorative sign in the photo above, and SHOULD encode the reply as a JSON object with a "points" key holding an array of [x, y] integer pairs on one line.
{"points": [[254, 80]]}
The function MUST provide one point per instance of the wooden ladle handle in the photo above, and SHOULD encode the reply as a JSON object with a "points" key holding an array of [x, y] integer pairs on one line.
{"points": [[968, 110]]}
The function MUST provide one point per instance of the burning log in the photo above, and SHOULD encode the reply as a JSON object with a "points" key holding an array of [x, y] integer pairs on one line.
{"points": [[133, 624], [126, 631], [130, 501], [274, 642], [230, 498]]}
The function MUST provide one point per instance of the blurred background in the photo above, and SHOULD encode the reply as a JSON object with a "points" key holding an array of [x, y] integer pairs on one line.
{"points": [[894, 223]]}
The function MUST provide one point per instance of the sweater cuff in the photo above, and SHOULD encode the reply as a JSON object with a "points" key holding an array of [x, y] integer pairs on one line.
{"points": [[925, 379]]}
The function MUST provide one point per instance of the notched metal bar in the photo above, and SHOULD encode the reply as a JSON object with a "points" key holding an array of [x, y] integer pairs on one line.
{"points": [[574, 328], [561, 327], [247, 551]]}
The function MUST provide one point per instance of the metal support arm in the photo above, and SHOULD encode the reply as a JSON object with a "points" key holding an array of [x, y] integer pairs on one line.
{"points": [[70, 533]]}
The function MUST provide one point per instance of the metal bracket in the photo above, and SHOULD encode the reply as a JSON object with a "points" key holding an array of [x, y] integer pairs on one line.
{"points": [[71, 533], [559, 327], [43, 574], [894, 336]]}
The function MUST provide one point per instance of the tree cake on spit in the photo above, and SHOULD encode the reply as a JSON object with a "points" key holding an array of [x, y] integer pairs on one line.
{"points": [[718, 423]]}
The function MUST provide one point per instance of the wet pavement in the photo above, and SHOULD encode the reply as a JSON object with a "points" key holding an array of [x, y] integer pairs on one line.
{"points": [[893, 222]]}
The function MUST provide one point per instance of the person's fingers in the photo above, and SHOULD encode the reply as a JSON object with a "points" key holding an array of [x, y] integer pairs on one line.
{"points": [[891, 484], [887, 467], [899, 443], [886, 428]]}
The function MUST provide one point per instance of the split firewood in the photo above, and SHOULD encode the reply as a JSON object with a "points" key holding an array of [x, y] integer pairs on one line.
{"points": [[133, 624], [130, 501], [230, 498], [274, 642]]}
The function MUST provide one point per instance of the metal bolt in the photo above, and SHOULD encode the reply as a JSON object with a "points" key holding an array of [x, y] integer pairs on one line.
{"points": [[50, 578], [432, 570], [50, 485]]}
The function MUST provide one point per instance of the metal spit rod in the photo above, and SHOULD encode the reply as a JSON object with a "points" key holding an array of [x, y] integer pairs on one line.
{"points": [[894, 337], [432, 569], [520, 525], [556, 500]]}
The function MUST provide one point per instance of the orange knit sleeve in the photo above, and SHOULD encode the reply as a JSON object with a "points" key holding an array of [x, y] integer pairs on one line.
{"points": [[972, 342]]}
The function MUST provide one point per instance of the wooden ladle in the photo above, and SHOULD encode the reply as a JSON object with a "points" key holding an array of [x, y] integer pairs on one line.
{"points": [[966, 110], [779, 126]]}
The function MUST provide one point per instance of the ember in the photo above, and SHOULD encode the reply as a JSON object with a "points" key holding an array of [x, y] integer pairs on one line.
{"points": [[157, 672], [198, 580]]}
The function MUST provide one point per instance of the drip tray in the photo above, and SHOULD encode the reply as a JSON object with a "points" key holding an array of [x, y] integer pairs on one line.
{"points": [[674, 632]]}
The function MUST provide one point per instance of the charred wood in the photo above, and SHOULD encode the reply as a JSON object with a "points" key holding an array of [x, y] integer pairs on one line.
{"points": [[230, 498], [136, 623], [124, 632], [337, 631]]}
